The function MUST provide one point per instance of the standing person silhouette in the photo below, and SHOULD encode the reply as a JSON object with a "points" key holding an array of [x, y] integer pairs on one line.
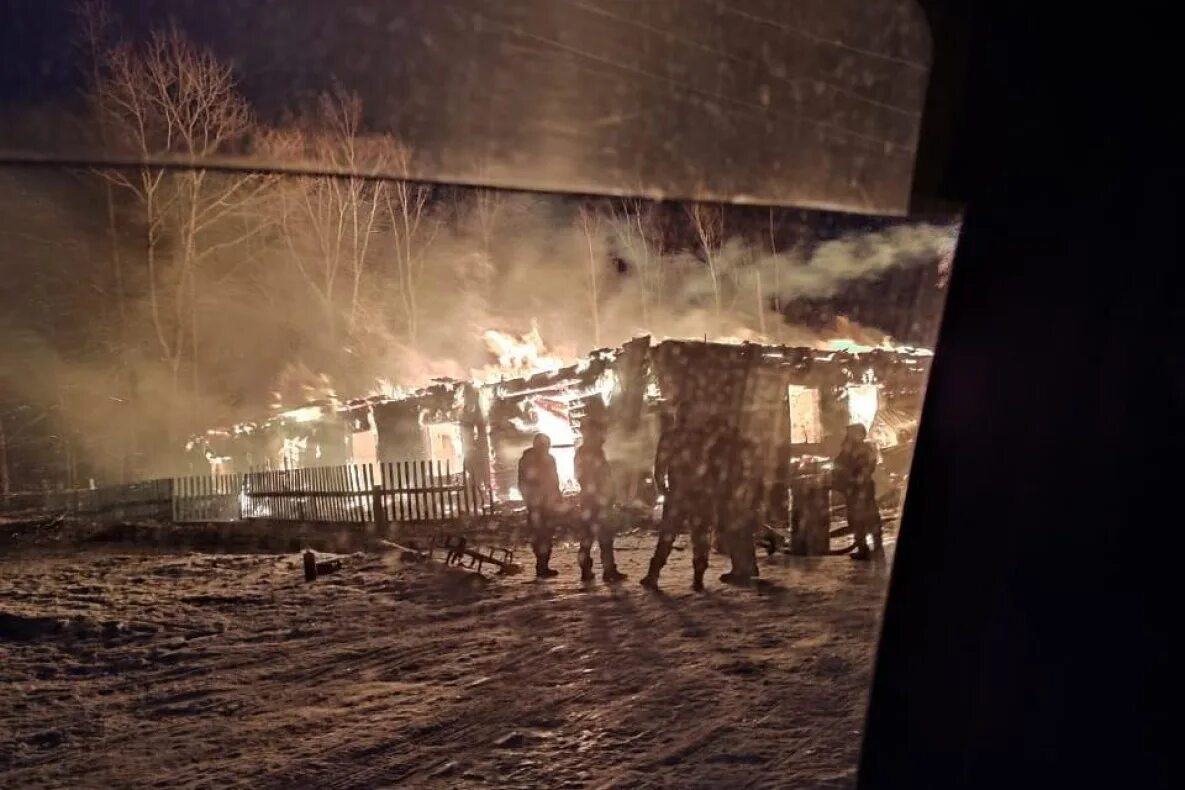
{"points": [[681, 472], [539, 483], [593, 473], [852, 476]]}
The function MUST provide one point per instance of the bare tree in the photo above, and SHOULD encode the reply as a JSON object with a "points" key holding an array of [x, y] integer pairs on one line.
{"points": [[589, 219], [758, 290], [94, 32], [413, 226], [337, 228], [486, 209], [707, 220], [635, 222], [95, 27], [487, 205], [172, 99], [329, 222]]}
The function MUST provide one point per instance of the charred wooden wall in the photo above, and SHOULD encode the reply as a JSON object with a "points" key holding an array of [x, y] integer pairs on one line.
{"points": [[746, 386], [400, 425]]}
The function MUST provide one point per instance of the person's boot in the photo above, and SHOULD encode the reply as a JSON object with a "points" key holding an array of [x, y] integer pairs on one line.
{"points": [[609, 572], [861, 553], [736, 577], [650, 580], [743, 570], [697, 581], [585, 563], [611, 575], [542, 571]]}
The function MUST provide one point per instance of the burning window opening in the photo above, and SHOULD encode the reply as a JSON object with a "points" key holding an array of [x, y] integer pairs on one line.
{"points": [[806, 420], [446, 444], [310, 413], [863, 402], [364, 446]]}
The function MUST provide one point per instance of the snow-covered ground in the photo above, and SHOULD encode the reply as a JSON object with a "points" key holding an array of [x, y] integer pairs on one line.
{"points": [[122, 669]]}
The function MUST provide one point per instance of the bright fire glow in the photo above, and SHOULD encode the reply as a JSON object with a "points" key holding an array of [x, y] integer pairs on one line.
{"points": [[252, 508], [854, 347], [220, 465], [517, 355], [388, 390], [606, 385], [863, 402], [291, 452], [303, 414], [551, 418]]}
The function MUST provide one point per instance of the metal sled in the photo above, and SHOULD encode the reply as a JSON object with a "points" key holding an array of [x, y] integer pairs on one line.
{"points": [[458, 550]]}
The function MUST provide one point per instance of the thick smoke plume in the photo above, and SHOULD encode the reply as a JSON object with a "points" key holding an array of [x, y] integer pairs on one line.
{"points": [[538, 268]]}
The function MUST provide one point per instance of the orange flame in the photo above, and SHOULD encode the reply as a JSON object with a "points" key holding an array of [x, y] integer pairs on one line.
{"points": [[517, 355]]}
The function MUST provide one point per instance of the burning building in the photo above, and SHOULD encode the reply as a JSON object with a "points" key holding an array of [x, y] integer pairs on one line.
{"points": [[782, 399]]}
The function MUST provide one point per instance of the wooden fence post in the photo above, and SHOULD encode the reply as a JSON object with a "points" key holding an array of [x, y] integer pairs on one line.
{"points": [[379, 508]]}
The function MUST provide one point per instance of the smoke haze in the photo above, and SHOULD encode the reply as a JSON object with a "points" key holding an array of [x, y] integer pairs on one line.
{"points": [[141, 305]]}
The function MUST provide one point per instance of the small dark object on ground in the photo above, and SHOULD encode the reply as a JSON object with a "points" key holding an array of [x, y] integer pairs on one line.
{"points": [[328, 566], [313, 568]]}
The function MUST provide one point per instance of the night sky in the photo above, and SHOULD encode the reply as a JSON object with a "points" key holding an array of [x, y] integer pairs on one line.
{"points": [[736, 101]]}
